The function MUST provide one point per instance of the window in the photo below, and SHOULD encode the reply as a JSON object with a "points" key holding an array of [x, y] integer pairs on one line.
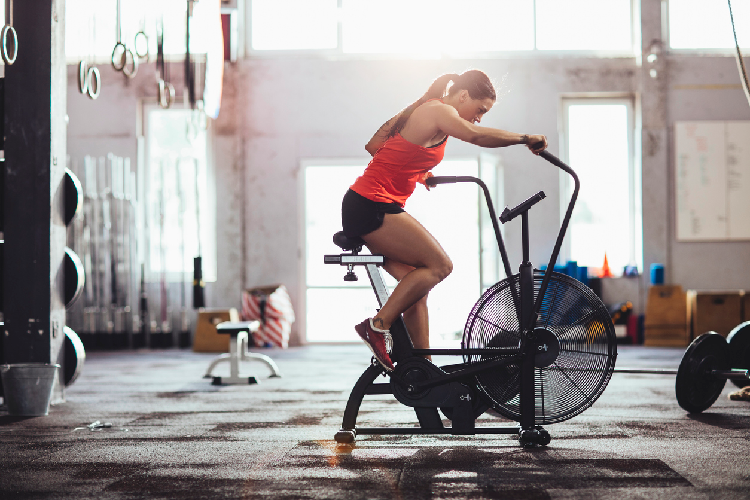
{"points": [[294, 24], [180, 223], [706, 24], [422, 27], [433, 28], [583, 25], [599, 137], [449, 212], [91, 26]]}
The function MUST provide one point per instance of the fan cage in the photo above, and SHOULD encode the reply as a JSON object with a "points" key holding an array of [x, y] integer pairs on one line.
{"points": [[588, 348]]}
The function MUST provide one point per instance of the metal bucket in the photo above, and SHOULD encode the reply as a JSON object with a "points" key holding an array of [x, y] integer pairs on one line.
{"points": [[28, 388]]}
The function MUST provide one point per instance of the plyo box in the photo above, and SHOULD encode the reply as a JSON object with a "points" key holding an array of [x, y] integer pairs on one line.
{"points": [[715, 311], [206, 338], [746, 306], [667, 322]]}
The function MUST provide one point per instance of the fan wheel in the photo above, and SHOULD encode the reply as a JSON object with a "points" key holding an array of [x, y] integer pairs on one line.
{"points": [[576, 344]]}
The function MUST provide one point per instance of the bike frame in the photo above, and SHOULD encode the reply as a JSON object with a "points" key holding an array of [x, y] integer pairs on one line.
{"points": [[527, 309]]}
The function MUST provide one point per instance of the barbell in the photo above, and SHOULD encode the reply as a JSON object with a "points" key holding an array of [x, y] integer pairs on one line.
{"points": [[709, 361]]}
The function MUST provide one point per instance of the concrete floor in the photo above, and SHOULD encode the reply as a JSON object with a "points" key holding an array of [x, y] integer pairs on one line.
{"points": [[174, 435]]}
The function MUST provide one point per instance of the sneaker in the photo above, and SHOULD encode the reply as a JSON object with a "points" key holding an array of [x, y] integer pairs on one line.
{"points": [[741, 395], [379, 341]]}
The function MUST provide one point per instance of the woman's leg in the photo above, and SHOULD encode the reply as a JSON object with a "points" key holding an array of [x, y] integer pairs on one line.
{"points": [[402, 239], [416, 317]]}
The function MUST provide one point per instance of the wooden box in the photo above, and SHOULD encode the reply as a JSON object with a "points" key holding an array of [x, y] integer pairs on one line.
{"points": [[667, 322], [666, 336], [715, 311], [746, 306], [206, 339]]}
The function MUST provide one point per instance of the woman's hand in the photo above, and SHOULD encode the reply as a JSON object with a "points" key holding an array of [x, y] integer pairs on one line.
{"points": [[535, 143], [423, 179]]}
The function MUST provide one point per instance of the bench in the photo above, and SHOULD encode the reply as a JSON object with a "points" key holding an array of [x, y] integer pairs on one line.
{"points": [[239, 335]]}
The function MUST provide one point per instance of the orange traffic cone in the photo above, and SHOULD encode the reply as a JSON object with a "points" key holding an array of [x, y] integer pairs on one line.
{"points": [[605, 272]]}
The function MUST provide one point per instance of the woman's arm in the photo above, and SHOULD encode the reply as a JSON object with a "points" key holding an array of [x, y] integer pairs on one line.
{"points": [[448, 120], [381, 135]]}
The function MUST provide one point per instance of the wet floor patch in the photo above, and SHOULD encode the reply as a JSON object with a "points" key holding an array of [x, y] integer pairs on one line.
{"points": [[244, 426], [178, 487], [298, 421], [175, 394], [438, 472]]}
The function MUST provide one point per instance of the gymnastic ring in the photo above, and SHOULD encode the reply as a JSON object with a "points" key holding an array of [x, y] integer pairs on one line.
{"points": [[130, 73], [82, 77], [93, 74], [143, 35], [4, 35], [166, 94], [122, 56]]}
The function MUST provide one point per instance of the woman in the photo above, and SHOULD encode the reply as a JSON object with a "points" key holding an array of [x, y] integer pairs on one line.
{"points": [[404, 151]]}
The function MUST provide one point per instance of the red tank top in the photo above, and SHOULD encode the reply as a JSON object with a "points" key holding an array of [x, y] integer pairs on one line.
{"points": [[396, 168]]}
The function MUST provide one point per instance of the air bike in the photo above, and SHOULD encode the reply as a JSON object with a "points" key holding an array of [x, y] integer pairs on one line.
{"points": [[538, 347]]}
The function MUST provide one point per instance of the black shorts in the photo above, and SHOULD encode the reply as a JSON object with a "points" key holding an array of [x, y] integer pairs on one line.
{"points": [[360, 216]]}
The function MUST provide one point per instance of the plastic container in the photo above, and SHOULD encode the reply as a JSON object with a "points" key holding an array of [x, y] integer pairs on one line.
{"points": [[583, 275], [657, 274], [571, 269], [28, 388]]}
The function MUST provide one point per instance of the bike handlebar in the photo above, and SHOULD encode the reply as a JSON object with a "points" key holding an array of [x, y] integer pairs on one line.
{"points": [[449, 179]]}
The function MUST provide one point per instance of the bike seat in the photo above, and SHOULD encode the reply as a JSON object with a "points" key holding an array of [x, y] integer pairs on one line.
{"points": [[346, 243]]}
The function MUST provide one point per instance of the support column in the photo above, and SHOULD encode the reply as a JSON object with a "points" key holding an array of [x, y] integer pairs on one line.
{"points": [[656, 178], [35, 152]]}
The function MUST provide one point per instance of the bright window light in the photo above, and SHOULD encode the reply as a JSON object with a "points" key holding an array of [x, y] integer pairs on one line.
{"points": [[705, 24], [432, 27], [91, 27], [294, 24], [392, 26], [450, 213], [583, 25], [605, 218], [509, 25], [177, 193]]}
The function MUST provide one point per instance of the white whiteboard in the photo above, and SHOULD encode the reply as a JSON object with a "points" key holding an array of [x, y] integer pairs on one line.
{"points": [[712, 180]]}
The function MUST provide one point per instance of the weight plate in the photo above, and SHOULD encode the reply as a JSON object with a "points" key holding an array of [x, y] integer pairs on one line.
{"points": [[74, 276], [695, 387], [739, 350], [73, 195], [75, 355]]}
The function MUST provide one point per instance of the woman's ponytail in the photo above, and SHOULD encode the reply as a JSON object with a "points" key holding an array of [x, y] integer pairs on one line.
{"points": [[440, 86], [437, 90]]}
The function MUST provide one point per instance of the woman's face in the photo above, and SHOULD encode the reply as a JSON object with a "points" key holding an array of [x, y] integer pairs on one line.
{"points": [[472, 110]]}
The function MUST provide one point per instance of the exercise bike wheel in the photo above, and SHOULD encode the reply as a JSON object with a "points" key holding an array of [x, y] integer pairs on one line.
{"points": [[573, 318]]}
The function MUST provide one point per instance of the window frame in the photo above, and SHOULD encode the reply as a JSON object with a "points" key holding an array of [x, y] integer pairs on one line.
{"points": [[339, 54]]}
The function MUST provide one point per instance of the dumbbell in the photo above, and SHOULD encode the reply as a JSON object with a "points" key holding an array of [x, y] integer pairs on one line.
{"points": [[708, 363]]}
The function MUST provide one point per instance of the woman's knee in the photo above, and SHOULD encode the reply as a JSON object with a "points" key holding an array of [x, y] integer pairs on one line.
{"points": [[443, 268]]}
